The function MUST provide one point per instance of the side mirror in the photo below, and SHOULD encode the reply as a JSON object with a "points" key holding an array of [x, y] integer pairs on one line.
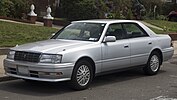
{"points": [[109, 39]]}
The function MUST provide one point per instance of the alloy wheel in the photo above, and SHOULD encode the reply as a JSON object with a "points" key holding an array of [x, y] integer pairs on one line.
{"points": [[83, 75]]}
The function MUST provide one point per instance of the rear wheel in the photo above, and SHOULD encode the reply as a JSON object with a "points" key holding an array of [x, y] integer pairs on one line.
{"points": [[82, 75], [153, 65]]}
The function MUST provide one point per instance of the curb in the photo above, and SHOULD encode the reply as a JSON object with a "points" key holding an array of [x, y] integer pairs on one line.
{"points": [[7, 78]]}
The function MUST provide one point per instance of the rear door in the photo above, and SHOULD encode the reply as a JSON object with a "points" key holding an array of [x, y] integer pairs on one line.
{"points": [[140, 43]]}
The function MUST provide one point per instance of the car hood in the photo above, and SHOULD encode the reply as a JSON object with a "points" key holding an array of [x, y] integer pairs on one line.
{"points": [[51, 46]]}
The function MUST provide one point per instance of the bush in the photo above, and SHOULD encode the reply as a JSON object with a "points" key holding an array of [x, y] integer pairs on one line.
{"points": [[5, 6], [13, 8], [168, 7], [84, 9], [161, 17], [76, 10]]}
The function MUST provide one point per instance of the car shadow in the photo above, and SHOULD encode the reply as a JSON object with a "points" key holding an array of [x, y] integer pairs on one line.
{"points": [[49, 89], [120, 77]]}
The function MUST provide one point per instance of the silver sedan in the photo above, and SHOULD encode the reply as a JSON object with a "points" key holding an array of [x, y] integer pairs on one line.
{"points": [[85, 49]]}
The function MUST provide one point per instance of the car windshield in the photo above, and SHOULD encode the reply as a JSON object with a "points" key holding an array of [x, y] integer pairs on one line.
{"points": [[81, 31]]}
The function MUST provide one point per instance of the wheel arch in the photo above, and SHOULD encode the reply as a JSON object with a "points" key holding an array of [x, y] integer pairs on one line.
{"points": [[89, 59]]}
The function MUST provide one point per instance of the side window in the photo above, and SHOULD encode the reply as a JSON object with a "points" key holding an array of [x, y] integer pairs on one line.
{"points": [[134, 31], [117, 31]]}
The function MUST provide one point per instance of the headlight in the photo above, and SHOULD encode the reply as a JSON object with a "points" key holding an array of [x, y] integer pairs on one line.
{"points": [[11, 54], [50, 58]]}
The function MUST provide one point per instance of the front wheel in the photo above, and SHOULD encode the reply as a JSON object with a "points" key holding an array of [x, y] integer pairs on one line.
{"points": [[153, 65], [82, 75]]}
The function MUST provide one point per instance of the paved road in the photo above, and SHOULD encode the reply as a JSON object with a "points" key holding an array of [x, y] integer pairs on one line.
{"points": [[129, 85]]}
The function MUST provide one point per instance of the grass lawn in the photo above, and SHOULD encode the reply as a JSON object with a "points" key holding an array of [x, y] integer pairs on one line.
{"points": [[158, 31], [12, 33], [170, 27]]}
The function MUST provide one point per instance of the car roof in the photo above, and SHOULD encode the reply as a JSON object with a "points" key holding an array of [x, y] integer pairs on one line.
{"points": [[106, 21]]}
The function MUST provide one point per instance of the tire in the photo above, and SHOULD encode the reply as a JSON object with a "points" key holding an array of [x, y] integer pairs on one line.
{"points": [[82, 75], [153, 65]]}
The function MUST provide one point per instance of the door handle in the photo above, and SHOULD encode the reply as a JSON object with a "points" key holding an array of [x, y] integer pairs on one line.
{"points": [[126, 46], [150, 43]]}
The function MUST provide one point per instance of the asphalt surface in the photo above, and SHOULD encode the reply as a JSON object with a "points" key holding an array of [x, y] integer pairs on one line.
{"points": [[128, 85]]}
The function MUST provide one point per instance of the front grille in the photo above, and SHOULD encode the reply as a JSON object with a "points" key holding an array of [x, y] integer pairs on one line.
{"points": [[27, 56]]}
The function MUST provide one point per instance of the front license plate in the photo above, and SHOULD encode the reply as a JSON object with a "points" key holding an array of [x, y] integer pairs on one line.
{"points": [[23, 70]]}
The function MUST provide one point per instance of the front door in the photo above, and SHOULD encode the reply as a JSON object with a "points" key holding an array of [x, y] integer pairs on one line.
{"points": [[116, 55]]}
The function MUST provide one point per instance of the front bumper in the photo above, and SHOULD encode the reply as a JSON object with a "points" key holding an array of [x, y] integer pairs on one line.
{"points": [[38, 71]]}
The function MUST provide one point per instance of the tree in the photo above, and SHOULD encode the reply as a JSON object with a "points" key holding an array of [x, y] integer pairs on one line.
{"points": [[122, 9], [13, 8], [150, 4], [5, 6], [79, 9]]}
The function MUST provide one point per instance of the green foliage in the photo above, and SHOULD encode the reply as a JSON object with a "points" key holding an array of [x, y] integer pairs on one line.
{"points": [[168, 7], [102, 8], [13, 33], [149, 15], [122, 9], [13, 8], [129, 14], [149, 5], [89, 9], [166, 25], [161, 17], [79, 9], [5, 6]]}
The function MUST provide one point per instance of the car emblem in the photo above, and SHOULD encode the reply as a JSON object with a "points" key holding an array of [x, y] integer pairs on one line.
{"points": [[24, 56]]}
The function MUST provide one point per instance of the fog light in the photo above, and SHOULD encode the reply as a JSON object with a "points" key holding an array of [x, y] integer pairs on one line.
{"points": [[44, 73], [51, 73], [59, 73], [56, 74]]}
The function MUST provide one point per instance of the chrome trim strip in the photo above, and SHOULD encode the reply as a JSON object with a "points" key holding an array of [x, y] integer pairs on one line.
{"points": [[140, 55], [39, 79], [122, 58]]}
